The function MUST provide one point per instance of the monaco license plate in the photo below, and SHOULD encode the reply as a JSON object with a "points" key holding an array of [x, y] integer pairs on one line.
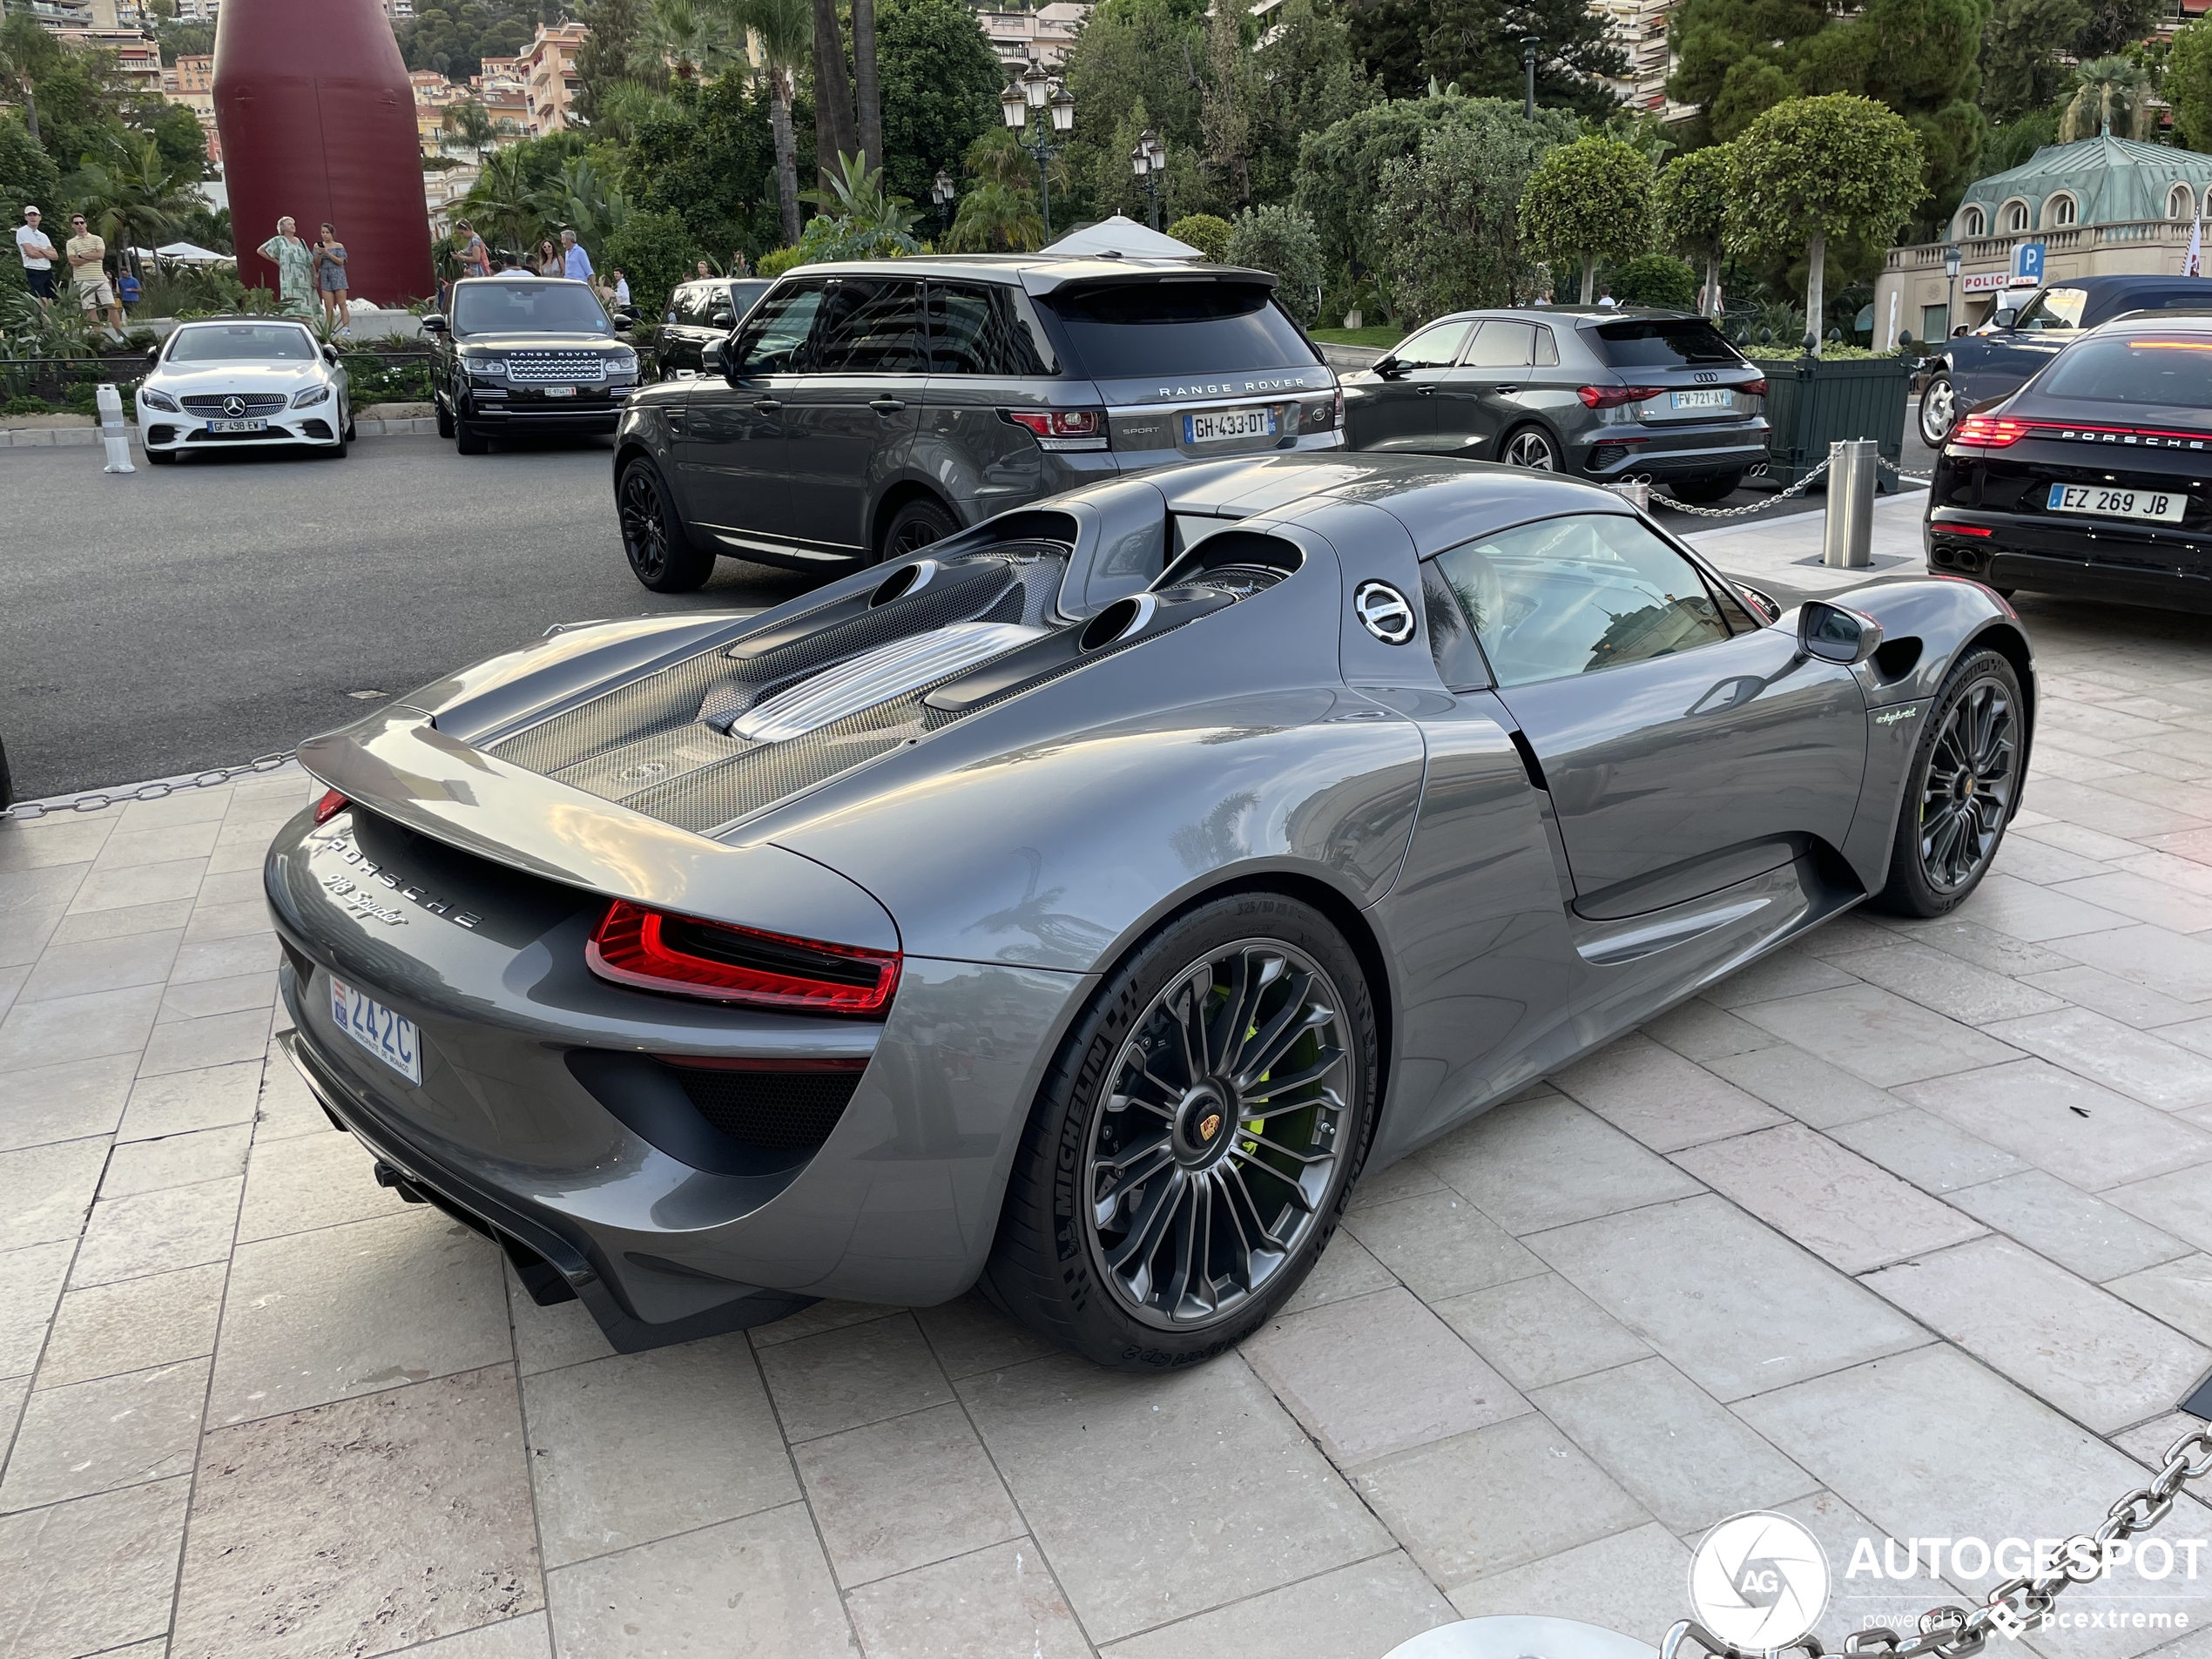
{"points": [[560, 391], [2166, 506], [1220, 426], [390, 1036], [1700, 401], [237, 426]]}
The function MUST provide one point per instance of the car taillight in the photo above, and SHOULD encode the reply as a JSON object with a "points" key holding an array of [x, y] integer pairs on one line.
{"points": [[1611, 397], [1339, 413], [1754, 388], [1991, 431], [330, 805], [1062, 428], [655, 950], [1962, 530]]}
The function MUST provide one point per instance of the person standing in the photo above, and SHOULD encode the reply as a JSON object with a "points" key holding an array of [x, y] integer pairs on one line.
{"points": [[88, 271], [295, 267], [622, 287], [470, 252], [38, 254], [548, 259], [575, 264], [330, 282]]}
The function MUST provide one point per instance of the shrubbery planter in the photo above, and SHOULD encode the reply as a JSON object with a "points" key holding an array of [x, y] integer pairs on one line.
{"points": [[1810, 402]]}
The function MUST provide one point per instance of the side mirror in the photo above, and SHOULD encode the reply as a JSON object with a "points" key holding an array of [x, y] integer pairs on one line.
{"points": [[624, 317], [153, 354], [1835, 635], [434, 322], [714, 359], [1391, 369], [330, 353]]}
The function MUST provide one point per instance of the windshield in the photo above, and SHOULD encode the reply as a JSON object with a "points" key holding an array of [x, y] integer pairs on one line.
{"points": [[502, 307], [243, 342], [1660, 343], [2054, 308], [1180, 328], [2171, 369]]}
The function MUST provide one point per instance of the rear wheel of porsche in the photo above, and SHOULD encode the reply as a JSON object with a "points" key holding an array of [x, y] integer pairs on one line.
{"points": [[1962, 791], [1190, 1153]]}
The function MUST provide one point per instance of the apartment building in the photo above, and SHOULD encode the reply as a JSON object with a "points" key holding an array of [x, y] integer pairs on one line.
{"points": [[1639, 28], [1043, 37], [191, 81], [547, 65]]}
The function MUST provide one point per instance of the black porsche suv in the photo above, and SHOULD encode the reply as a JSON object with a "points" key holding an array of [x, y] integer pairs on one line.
{"points": [[868, 408], [522, 353]]}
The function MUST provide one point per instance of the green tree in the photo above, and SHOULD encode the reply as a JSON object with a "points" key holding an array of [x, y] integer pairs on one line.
{"points": [[1587, 201], [1390, 44], [1205, 232], [1445, 221], [184, 40], [1226, 91], [467, 126], [2109, 96], [455, 37], [1655, 280], [654, 250], [28, 177], [786, 31], [1281, 238], [616, 49], [2188, 82], [130, 192], [2114, 26], [28, 54], [709, 156], [940, 86], [1817, 169], [694, 36], [996, 218], [2020, 53], [1476, 44], [1135, 54], [1691, 201], [1306, 79], [862, 220]]}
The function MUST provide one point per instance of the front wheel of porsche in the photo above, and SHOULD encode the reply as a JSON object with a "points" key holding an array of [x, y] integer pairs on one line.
{"points": [[1189, 1156]]}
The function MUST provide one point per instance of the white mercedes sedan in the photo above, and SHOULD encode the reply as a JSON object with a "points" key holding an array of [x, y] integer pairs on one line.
{"points": [[247, 381]]}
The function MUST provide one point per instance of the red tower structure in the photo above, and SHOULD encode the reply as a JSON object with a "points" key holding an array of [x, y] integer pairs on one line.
{"points": [[317, 120]]}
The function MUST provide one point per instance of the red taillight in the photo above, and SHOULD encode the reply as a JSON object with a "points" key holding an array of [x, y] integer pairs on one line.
{"points": [[1062, 428], [654, 950], [330, 805], [1991, 431], [1963, 529], [1611, 397], [1754, 388]]}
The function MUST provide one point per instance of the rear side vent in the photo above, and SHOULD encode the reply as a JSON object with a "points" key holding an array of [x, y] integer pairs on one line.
{"points": [[907, 578], [783, 1110], [1118, 621]]}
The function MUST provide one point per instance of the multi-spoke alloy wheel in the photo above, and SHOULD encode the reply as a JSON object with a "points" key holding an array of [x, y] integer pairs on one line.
{"points": [[1188, 1153], [1963, 788], [1216, 1141], [1966, 792], [653, 537], [1531, 448]]}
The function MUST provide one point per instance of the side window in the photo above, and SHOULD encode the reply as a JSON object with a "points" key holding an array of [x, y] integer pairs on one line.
{"points": [[1579, 595], [1502, 345], [981, 328], [869, 327], [1547, 349], [1435, 347], [775, 336], [679, 303], [719, 313]]}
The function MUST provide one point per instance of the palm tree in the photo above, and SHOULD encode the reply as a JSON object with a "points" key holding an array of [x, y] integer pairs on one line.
{"points": [[27, 52], [468, 126], [786, 31], [2108, 99], [501, 199], [578, 198], [132, 185], [996, 219], [696, 39]]}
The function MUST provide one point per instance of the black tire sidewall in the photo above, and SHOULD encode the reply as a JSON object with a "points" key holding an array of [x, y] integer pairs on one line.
{"points": [[948, 525], [1042, 1270], [1908, 891], [687, 568]]}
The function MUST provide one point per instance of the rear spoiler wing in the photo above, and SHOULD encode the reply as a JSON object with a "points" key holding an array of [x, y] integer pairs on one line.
{"points": [[398, 765]]}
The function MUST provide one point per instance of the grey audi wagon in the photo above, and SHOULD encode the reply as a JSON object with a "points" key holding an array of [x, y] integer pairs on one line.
{"points": [[861, 410], [1600, 392]]}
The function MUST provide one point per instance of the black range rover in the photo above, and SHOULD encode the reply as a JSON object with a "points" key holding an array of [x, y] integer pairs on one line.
{"points": [[526, 353], [868, 408]]}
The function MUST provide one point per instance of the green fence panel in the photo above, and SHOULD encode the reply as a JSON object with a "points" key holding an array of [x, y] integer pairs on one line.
{"points": [[1812, 404]]}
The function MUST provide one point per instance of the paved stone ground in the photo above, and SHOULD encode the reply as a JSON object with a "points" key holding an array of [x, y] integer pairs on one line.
{"points": [[1907, 1231]]}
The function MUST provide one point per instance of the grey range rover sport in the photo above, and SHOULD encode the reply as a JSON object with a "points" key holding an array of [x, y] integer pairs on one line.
{"points": [[864, 409]]}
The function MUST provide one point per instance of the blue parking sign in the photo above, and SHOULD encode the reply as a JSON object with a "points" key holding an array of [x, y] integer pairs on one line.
{"points": [[2027, 262]]}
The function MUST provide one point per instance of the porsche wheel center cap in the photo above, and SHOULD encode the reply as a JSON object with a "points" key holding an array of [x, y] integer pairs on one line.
{"points": [[1202, 1124], [1962, 787]]}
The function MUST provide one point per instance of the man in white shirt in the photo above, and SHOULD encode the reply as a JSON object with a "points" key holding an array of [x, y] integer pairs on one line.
{"points": [[622, 287], [38, 254]]}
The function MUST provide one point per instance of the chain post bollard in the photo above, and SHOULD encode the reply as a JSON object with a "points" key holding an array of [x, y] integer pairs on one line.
{"points": [[1847, 541], [1635, 491], [113, 432]]}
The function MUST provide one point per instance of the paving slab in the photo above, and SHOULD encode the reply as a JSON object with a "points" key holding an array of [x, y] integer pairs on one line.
{"points": [[2063, 1121], [2081, 1233], [1878, 1034]]}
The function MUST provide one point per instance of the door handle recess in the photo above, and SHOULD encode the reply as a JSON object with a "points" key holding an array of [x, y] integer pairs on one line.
{"points": [[1429, 391], [766, 403], [887, 405], [1505, 391]]}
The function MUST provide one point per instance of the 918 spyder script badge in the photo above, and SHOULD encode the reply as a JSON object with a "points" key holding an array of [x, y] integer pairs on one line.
{"points": [[349, 888]]}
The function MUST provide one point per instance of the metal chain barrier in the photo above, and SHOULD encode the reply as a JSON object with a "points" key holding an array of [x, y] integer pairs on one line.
{"points": [[1922, 477], [30, 811], [2019, 1604], [1797, 489]]}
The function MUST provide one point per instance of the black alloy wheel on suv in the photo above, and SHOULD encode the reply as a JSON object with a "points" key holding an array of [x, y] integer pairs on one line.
{"points": [[863, 410], [527, 354]]}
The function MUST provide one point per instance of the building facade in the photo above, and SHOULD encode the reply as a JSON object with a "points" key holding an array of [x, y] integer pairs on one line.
{"points": [[1043, 37], [2103, 206], [548, 66], [191, 81], [1639, 29]]}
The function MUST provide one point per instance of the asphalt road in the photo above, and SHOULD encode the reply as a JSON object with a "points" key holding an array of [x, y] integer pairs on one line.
{"points": [[199, 615]]}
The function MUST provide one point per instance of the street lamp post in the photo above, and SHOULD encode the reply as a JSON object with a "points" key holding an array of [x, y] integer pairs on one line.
{"points": [[1951, 291], [942, 190], [1528, 69], [1034, 94], [1148, 161]]}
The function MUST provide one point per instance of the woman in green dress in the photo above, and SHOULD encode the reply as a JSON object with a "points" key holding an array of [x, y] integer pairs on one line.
{"points": [[294, 261]]}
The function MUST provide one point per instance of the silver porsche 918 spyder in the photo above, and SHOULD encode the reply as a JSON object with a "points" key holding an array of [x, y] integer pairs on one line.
{"points": [[1077, 906]]}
